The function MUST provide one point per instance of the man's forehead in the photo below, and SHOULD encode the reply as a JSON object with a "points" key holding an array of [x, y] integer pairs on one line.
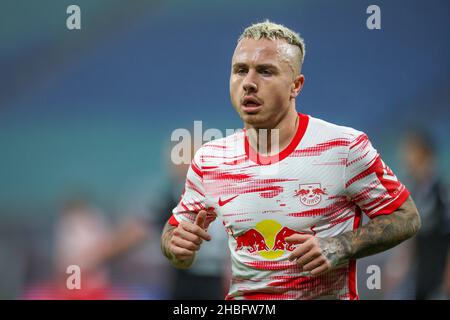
{"points": [[255, 49], [263, 49]]}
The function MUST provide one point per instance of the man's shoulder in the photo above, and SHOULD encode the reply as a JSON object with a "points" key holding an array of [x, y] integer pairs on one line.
{"points": [[226, 141], [222, 146], [333, 130]]}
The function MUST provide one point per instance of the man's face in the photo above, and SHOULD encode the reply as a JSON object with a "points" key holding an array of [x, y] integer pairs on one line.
{"points": [[264, 81]]}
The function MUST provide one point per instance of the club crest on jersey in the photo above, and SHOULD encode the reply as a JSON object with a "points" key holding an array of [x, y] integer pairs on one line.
{"points": [[310, 193]]}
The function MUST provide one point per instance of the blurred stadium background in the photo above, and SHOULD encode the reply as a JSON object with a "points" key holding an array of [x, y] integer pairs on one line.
{"points": [[92, 110]]}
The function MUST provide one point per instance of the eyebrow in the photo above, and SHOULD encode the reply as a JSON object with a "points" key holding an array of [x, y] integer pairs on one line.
{"points": [[259, 66]]}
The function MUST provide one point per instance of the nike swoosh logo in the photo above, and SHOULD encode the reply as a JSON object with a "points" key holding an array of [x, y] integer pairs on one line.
{"points": [[224, 202]]}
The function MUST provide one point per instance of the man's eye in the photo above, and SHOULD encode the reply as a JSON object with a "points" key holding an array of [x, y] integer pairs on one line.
{"points": [[241, 71], [266, 72]]}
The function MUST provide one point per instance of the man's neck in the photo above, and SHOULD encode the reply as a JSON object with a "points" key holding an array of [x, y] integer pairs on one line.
{"points": [[270, 141]]}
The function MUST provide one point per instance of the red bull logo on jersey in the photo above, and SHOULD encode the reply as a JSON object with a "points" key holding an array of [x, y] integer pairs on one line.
{"points": [[268, 239], [252, 240], [280, 239], [310, 194]]}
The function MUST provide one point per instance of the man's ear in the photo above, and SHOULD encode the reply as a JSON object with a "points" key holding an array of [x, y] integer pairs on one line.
{"points": [[297, 85]]}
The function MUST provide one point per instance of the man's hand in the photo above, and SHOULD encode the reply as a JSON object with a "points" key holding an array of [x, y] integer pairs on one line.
{"points": [[319, 255], [316, 255], [181, 243]]}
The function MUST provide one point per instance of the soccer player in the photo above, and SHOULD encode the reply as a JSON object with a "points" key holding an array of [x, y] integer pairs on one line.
{"points": [[292, 206]]}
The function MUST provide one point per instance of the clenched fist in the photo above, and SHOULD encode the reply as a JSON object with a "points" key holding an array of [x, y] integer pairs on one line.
{"points": [[185, 240]]}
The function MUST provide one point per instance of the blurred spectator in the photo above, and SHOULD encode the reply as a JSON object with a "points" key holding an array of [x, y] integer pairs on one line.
{"points": [[420, 268], [208, 278], [84, 238]]}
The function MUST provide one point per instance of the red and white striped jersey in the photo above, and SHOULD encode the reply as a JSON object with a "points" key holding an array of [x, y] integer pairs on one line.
{"points": [[317, 185]]}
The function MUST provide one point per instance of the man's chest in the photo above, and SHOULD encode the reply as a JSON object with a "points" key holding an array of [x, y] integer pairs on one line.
{"points": [[296, 195]]}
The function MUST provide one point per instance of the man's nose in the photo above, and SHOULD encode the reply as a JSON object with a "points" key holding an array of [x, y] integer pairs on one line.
{"points": [[249, 83]]}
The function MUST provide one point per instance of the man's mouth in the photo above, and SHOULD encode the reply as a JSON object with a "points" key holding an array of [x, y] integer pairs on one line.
{"points": [[250, 104]]}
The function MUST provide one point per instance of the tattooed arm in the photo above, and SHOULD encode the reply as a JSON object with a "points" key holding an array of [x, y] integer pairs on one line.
{"points": [[180, 244], [166, 237], [319, 255]]}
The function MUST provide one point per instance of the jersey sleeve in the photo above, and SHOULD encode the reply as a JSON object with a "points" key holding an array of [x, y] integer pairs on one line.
{"points": [[369, 182], [193, 198]]}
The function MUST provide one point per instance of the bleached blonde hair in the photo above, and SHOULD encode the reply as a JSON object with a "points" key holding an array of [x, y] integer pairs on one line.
{"points": [[272, 31]]}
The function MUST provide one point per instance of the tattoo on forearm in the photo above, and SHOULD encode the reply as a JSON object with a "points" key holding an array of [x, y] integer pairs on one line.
{"points": [[380, 234], [335, 250], [165, 239]]}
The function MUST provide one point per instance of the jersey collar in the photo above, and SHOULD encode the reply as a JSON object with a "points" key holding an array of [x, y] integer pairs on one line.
{"points": [[265, 160]]}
